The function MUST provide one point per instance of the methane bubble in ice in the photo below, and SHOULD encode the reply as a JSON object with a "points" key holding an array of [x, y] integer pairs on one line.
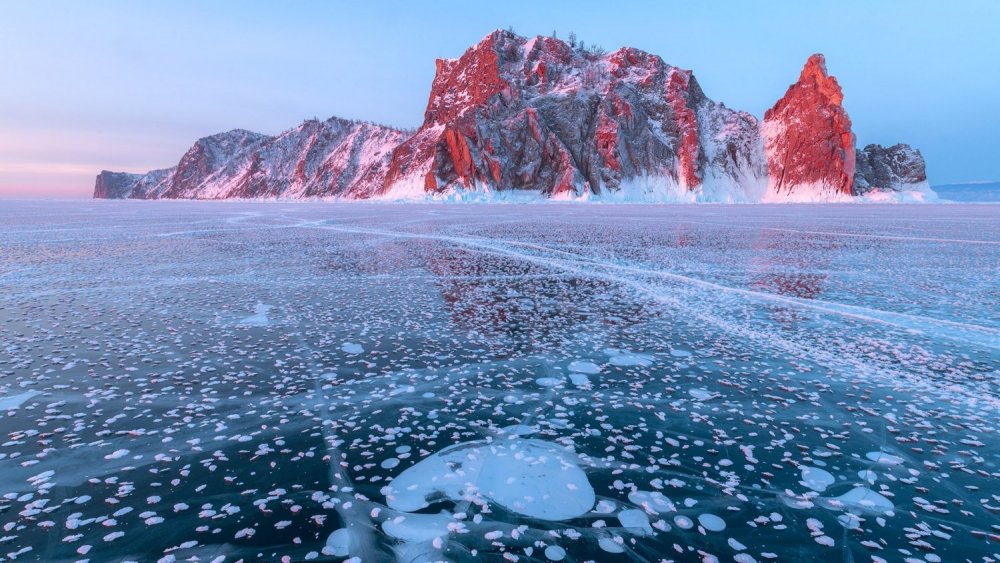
{"points": [[555, 553], [712, 522]]}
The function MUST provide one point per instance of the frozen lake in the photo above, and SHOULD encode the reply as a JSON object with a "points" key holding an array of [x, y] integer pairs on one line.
{"points": [[218, 381]]}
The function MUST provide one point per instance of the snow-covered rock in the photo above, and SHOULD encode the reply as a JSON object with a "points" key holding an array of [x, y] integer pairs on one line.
{"points": [[115, 185], [539, 115], [328, 158], [516, 119], [896, 168]]}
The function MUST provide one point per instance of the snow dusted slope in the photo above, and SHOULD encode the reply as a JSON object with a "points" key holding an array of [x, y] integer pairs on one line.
{"points": [[316, 159], [336, 157], [201, 169], [520, 119]]}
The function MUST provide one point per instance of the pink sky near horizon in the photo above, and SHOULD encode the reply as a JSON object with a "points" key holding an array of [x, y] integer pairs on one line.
{"points": [[129, 87]]}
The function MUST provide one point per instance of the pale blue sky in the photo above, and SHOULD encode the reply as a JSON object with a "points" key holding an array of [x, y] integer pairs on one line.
{"points": [[130, 85]]}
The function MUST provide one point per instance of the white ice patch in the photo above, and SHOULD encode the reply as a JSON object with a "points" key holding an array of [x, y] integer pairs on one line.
{"points": [[338, 544], [259, 318], [555, 553], [816, 479], [352, 348], [636, 521], [527, 476], [14, 401], [588, 368], [712, 523], [884, 458], [549, 381], [849, 521], [610, 545], [418, 527], [702, 394], [653, 502], [518, 430], [868, 475], [860, 499], [626, 359], [683, 522]]}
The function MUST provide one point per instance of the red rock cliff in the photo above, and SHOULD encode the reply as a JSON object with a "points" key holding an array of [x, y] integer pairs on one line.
{"points": [[808, 138]]}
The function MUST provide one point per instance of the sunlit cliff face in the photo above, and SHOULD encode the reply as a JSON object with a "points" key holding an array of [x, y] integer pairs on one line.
{"points": [[807, 135], [539, 114]]}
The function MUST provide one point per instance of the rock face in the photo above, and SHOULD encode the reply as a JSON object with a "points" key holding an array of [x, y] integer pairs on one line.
{"points": [[115, 185], [540, 116], [808, 138], [897, 168], [316, 159]]}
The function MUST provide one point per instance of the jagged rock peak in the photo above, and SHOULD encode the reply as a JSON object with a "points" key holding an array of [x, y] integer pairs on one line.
{"points": [[808, 138], [814, 72]]}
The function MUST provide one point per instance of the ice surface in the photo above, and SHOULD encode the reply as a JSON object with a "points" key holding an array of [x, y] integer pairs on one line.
{"points": [[203, 380]]}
